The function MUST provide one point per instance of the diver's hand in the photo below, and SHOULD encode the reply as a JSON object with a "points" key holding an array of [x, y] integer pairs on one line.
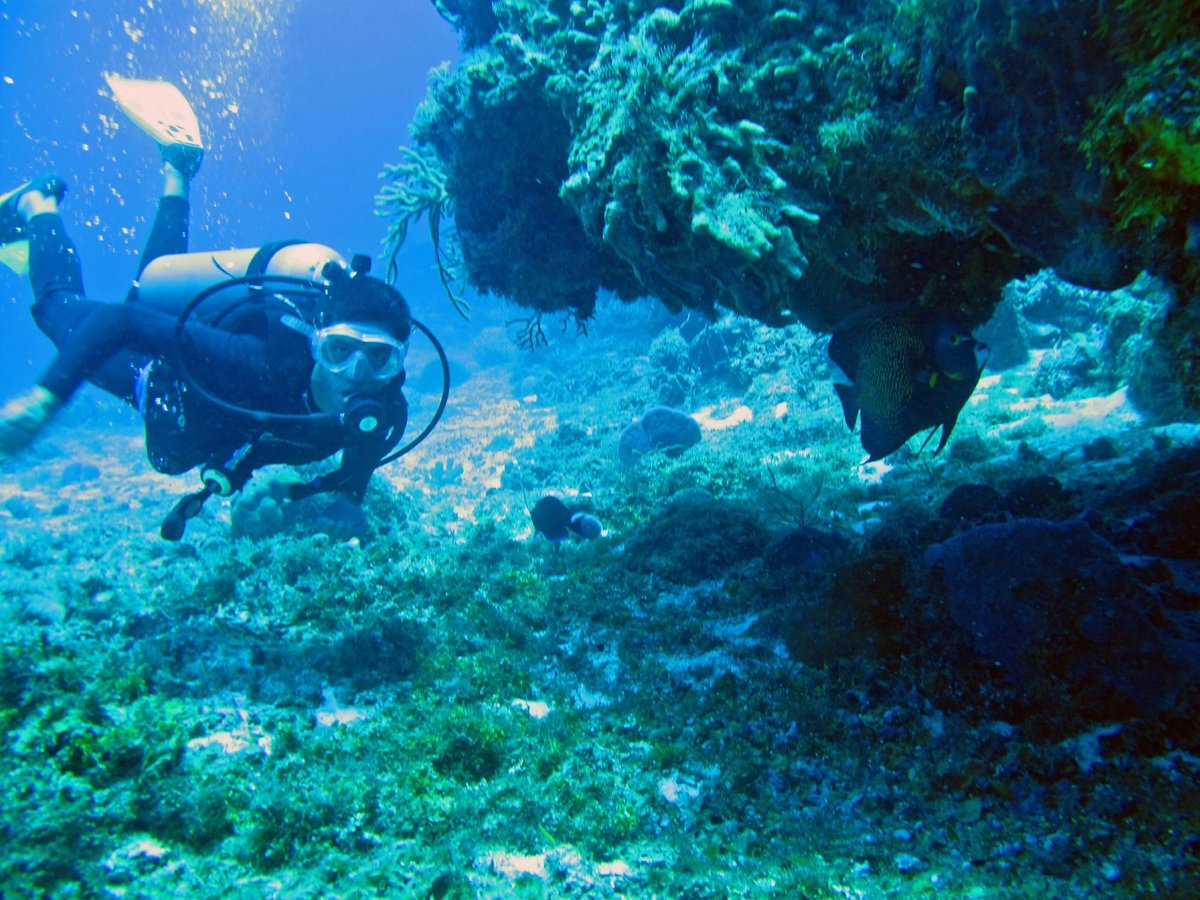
{"points": [[302, 490]]}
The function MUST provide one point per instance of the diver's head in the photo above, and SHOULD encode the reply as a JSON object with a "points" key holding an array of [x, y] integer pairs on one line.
{"points": [[355, 296], [363, 338]]}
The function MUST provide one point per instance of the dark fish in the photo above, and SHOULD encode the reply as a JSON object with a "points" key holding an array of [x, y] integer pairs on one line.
{"points": [[551, 519], [556, 522], [908, 371]]}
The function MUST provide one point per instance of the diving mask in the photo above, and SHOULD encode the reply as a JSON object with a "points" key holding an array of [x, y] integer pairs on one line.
{"points": [[358, 352]]}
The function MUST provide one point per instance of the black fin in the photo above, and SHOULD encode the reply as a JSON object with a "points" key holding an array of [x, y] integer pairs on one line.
{"points": [[928, 438], [848, 394], [947, 427], [878, 444]]}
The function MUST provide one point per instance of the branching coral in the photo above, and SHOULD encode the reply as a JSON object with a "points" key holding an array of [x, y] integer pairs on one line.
{"points": [[418, 187]]}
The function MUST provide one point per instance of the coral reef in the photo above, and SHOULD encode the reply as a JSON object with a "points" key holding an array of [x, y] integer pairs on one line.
{"points": [[660, 428], [754, 681], [794, 161]]}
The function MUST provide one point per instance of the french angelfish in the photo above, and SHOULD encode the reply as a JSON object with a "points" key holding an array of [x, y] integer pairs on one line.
{"points": [[908, 371]]}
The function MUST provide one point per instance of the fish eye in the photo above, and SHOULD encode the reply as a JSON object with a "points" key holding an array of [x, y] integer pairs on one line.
{"points": [[955, 339]]}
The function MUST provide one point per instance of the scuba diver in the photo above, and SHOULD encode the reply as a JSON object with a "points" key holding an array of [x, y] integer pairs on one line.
{"points": [[237, 360]]}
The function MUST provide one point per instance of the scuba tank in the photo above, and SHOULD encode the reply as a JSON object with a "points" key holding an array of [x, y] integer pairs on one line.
{"points": [[171, 282]]}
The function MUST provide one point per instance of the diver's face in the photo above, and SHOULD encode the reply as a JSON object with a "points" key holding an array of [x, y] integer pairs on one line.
{"points": [[353, 359], [332, 391], [358, 351]]}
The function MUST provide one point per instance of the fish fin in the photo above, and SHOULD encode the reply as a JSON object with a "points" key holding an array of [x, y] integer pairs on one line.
{"points": [[877, 443], [926, 378], [838, 374], [848, 394], [928, 438], [843, 358], [947, 427]]}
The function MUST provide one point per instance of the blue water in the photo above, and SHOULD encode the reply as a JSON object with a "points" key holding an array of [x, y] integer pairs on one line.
{"points": [[302, 103]]}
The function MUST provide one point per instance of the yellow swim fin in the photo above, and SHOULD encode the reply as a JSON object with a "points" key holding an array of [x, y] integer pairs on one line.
{"points": [[14, 253], [16, 256]]}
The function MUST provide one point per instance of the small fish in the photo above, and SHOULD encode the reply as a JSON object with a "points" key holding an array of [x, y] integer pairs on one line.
{"points": [[908, 371], [556, 522]]}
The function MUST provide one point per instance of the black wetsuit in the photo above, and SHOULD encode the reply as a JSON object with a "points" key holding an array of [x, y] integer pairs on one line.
{"points": [[252, 361]]}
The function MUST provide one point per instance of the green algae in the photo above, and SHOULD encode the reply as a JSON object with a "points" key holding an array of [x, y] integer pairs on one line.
{"points": [[440, 774]]}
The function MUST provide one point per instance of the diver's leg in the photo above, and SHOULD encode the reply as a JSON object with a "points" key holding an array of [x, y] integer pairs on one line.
{"points": [[54, 266], [23, 417], [109, 331], [169, 234], [120, 376], [90, 337], [56, 277], [60, 308], [55, 274], [59, 304]]}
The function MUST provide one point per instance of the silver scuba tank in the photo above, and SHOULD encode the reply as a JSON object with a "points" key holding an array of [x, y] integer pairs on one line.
{"points": [[171, 282]]}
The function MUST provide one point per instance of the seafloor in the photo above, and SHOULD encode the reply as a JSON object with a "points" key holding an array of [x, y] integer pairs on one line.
{"points": [[747, 687]]}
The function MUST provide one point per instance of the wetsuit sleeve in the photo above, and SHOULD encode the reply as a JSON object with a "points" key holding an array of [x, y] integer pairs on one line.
{"points": [[351, 478]]}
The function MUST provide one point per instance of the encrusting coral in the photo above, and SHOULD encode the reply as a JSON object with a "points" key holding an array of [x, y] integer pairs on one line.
{"points": [[794, 161]]}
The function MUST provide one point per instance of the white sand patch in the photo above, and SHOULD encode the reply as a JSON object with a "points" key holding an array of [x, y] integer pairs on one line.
{"points": [[569, 866], [614, 870], [874, 472], [461, 462], [344, 716], [710, 422], [1073, 420], [674, 789], [333, 713], [235, 740], [536, 708], [514, 865], [1112, 412]]}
